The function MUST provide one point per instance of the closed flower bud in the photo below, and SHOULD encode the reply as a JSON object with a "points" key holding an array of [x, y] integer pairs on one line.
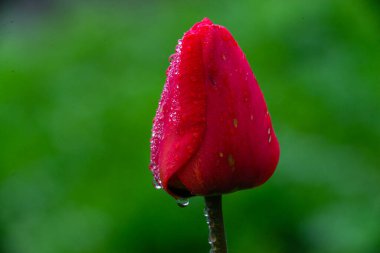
{"points": [[212, 133]]}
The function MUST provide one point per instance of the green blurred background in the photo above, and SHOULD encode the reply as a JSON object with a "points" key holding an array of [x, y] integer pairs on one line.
{"points": [[79, 85]]}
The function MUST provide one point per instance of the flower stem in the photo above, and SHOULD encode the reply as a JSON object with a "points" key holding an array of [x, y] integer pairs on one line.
{"points": [[214, 216]]}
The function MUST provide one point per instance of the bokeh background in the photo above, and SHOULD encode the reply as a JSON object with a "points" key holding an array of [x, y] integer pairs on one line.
{"points": [[79, 85]]}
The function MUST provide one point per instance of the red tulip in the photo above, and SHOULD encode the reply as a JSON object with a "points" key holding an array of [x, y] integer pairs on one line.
{"points": [[212, 133]]}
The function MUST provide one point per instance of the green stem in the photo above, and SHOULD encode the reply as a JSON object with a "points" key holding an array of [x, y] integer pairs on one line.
{"points": [[214, 215]]}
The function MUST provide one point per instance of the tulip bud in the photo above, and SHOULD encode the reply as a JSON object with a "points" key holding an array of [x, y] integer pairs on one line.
{"points": [[212, 133]]}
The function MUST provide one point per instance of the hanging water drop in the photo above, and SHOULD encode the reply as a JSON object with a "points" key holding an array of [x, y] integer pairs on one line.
{"points": [[183, 202], [157, 184]]}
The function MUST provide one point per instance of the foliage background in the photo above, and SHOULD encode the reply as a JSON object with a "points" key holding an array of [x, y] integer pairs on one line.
{"points": [[79, 85]]}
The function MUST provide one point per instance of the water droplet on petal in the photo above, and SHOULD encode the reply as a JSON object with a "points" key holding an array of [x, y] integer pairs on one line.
{"points": [[171, 57], [235, 123], [224, 57], [221, 154], [183, 202], [157, 184], [270, 139], [251, 117], [268, 130]]}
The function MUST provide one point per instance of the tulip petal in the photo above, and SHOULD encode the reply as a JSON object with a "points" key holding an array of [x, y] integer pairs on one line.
{"points": [[239, 148], [180, 119]]}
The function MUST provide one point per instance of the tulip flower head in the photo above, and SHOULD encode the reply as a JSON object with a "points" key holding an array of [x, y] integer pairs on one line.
{"points": [[212, 133]]}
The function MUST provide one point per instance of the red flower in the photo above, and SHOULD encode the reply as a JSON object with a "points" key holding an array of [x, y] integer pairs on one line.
{"points": [[212, 133]]}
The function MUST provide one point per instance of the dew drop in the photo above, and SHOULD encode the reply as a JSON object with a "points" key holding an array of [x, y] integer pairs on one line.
{"points": [[270, 139], [224, 57], [221, 154], [183, 202], [171, 57], [157, 184], [205, 212], [211, 239], [235, 123], [268, 130], [251, 117]]}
